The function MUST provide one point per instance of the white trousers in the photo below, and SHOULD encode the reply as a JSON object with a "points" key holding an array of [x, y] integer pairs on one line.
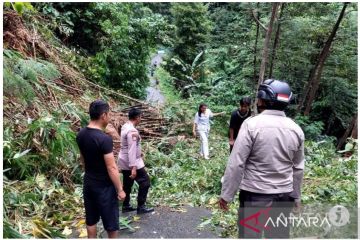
{"points": [[204, 149]]}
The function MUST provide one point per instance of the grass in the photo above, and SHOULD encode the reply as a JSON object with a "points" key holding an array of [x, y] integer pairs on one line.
{"points": [[166, 87]]}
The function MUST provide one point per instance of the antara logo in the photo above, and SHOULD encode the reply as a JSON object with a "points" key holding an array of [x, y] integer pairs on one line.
{"points": [[254, 222]]}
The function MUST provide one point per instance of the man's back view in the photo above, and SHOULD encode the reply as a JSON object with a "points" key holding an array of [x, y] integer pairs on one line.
{"points": [[276, 148], [267, 164]]}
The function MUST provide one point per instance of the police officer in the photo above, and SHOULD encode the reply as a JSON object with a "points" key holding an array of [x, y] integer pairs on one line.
{"points": [[267, 164], [132, 165]]}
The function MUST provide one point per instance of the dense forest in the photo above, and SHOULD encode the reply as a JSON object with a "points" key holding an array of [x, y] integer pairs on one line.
{"points": [[59, 57]]}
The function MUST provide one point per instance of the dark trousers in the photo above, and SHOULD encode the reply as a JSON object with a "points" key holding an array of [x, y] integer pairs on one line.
{"points": [[142, 179], [101, 202], [255, 211]]}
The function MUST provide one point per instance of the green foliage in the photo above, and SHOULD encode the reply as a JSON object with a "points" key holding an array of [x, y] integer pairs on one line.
{"points": [[192, 33], [166, 85], [192, 28], [14, 83], [10, 232], [311, 129], [72, 110], [130, 30], [22, 77], [329, 178], [19, 7], [34, 206], [200, 179], [119, 38], [58, 21], [230, 57], [210, 60], [336, 100], [48, 145], [187, 73]]}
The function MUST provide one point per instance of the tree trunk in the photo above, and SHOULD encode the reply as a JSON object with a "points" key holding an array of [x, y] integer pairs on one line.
{"points": [[354, 133], [265, 51], [314, 81], [276, 41], [350, 131], [306, 92], [256, 43]]}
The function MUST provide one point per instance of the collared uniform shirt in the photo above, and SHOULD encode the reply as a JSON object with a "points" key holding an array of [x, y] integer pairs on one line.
{"points": [[130, 150], [268, 157]]}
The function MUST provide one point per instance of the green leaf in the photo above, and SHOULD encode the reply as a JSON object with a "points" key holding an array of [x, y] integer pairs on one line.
{"points": [[19, 7], [19, 155], [7, 4], [349, 147], [204, 223]]}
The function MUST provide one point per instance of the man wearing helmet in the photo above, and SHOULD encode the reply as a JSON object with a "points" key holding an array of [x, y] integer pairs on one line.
{"points": [[267, 164]]}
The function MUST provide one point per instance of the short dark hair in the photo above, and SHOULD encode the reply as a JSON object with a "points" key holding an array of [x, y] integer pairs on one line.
{"points": [[245, 100], [272, 105], [97, 108], [134, 113]]}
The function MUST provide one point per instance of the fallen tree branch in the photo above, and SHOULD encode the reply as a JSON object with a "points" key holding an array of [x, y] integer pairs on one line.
{"points": [[67, 86], [112, 91]]}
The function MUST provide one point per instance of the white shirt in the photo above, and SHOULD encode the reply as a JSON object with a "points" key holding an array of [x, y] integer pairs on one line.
{"points": [[203, 121]]}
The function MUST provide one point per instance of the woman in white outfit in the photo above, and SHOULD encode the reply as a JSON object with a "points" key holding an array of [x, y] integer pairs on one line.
{"points": [[202, 127]]}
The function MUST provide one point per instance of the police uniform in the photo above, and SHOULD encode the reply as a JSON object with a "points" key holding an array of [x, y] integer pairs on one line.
{"points": [[130, 156], [266, 164]]}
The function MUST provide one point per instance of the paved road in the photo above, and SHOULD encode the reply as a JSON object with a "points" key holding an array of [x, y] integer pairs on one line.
{"points": [[154, 96], [165, 222], [168, 223]]}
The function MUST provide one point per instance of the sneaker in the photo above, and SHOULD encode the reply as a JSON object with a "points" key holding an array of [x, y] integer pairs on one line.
{"points": [[206, 157], [144, 209], [128, 209]]}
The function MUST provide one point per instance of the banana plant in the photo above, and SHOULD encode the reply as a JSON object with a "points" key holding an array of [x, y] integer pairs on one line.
{"points": [[190, 71]]}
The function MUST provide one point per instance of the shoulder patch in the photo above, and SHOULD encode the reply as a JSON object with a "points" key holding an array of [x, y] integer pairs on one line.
{"points": [[134, 135]]}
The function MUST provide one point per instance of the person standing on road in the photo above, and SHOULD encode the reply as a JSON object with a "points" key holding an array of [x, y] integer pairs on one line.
{"points": [[102, 185], [267, 164], [201, 127], [131, 164], [237, 118], [153, 68]]}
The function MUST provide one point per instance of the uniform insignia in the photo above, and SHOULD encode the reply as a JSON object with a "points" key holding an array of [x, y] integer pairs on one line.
{"points": [[134, 136]]}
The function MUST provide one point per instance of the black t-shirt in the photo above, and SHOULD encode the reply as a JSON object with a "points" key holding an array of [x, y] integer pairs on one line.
{"points": [[236, 120], [94, 144]]}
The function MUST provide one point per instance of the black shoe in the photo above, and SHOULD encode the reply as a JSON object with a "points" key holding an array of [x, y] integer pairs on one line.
{"points": [[144, 209], [128, 209]]}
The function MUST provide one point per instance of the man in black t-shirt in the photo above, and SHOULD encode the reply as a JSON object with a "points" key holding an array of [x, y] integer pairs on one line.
{"points": [[237, 118], [102, 185]]}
